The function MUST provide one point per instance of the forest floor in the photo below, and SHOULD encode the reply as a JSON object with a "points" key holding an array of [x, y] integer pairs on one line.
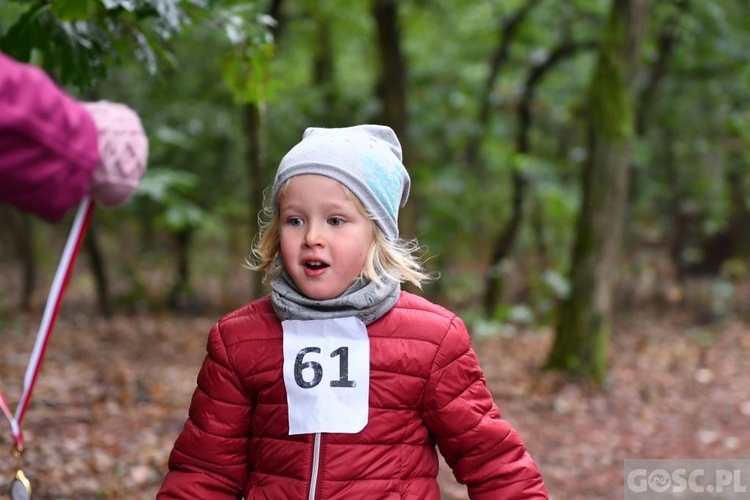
{"points": [[113, 395]]}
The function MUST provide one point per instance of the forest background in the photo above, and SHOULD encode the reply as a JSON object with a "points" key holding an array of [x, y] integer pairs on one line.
{"points": [[579, 180]]}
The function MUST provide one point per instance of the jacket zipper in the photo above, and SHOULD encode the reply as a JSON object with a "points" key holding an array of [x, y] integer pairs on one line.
{"points": [[315, 467]]}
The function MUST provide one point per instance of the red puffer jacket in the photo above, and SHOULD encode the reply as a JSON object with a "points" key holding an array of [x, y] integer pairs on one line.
{"points": [[426, 389]]}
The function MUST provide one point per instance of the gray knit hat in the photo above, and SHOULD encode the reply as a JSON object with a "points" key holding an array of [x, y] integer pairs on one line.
{"points": [[365, 158]]}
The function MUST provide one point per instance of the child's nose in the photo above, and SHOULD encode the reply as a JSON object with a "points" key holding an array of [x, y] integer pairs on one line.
{"points": [[313, 234]]}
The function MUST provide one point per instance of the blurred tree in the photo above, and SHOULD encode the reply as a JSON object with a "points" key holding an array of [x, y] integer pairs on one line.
{"points": [[391, 87], [506, 240], [584, 321], [508, 28]]}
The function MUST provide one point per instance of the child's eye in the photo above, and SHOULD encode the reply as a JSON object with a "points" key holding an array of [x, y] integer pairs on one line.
{"points": [[294, 221], [336, 221]]}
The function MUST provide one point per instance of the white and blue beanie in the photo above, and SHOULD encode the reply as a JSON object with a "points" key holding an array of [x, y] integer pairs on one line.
{"points": [[365, 158]]}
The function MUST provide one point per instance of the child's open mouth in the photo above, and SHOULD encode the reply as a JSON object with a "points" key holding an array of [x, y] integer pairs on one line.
{"points": [[315, 267]]}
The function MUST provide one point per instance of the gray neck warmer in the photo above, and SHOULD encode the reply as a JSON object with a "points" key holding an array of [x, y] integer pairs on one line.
{"points": [[364, 300]]}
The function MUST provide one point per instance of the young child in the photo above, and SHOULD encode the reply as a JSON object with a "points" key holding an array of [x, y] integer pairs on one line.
{"points": [[339, 385]]}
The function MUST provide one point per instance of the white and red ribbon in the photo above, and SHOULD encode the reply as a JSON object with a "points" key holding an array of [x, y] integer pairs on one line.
{"points": [[54, 299]]}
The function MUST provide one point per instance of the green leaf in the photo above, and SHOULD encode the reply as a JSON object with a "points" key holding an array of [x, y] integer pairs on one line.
{"points": [[183, 215], [73, 10], [162, 184]]}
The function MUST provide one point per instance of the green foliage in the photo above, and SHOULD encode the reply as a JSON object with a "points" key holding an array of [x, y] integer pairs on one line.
{"points": [[700, 109], [189, 68], [246, 69], [78, 40], [159, 185], [170, 190]]}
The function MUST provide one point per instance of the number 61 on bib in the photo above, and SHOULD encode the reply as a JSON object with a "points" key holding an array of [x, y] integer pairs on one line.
{"points": [[327, 375]]}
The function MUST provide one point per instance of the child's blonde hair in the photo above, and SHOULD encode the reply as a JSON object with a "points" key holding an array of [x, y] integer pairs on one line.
{"points": [[397, 259]]}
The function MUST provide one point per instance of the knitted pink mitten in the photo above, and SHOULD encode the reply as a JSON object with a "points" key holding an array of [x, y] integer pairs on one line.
{"points": [[123, 151]]}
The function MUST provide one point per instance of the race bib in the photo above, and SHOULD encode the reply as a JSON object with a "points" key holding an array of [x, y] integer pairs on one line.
{"points": [[327, 375]]}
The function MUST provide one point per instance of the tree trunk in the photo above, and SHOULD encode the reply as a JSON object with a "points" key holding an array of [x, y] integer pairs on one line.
{"points": [[276, 11], [180, 289], [391, 89], [98, 269], [583, 325], [21, 234], [666, 42], [256, 180], [324, 70]]}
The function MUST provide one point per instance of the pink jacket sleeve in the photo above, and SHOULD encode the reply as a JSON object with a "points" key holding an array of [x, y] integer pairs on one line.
{"points": [[48, 143]]}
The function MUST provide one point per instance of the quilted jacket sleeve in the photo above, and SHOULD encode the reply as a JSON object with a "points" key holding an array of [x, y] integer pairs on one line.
{"points": [[209, 458], [483, 450]]}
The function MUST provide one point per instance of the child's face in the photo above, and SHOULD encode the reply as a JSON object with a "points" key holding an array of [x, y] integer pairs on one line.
{"points": [[324, 236]]}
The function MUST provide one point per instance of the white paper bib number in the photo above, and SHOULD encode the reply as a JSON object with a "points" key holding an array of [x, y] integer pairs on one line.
{"points": [[327, 375]]}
